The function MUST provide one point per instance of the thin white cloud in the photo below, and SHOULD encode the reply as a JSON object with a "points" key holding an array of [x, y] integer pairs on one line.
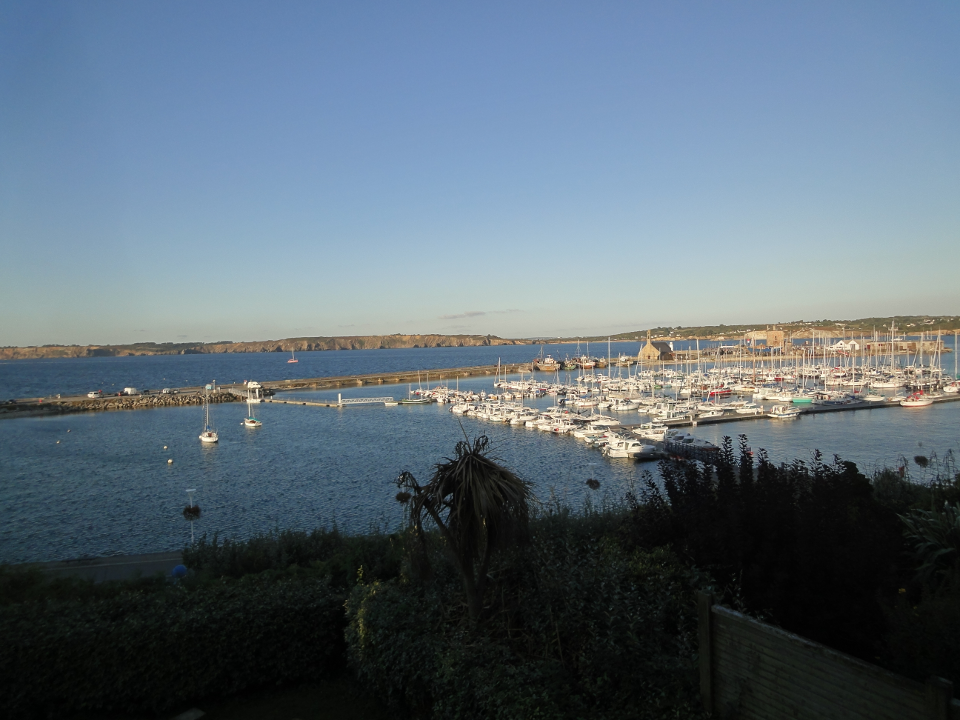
{"points": [[477, 313]]}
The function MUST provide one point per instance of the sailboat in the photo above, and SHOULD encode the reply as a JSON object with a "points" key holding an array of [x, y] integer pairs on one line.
{"points": [[293, 358], [209, 435], [418, 398], [250, 420]]}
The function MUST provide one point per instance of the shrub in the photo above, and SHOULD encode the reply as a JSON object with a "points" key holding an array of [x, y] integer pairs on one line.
{"points": [[808, 546], [924, 636], [935, 537], [327, 551], [572, 627], [146, 652]]}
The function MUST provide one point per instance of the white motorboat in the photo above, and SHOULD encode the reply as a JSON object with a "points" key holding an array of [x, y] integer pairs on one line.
{"points": [[749, 409], [254, 391], [684, 439], [651, 431], [603, 421], [709, 414], [784, 412], [627, 448]]}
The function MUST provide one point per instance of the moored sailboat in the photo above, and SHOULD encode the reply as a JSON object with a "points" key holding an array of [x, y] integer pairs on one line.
{"points": [[250, 420], [209, 435]]}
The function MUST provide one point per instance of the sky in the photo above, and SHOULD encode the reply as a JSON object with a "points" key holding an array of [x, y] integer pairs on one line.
{"points": [[203, 171]]}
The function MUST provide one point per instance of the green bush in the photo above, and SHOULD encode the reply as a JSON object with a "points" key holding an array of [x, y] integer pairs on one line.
{"points": [[329, 552], [924, 635], [30, 584], [573, 627], [807, 546], [146, 652]]}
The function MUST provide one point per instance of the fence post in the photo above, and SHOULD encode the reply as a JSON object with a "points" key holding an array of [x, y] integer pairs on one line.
{"points": [[704, 625], [939, 697]]}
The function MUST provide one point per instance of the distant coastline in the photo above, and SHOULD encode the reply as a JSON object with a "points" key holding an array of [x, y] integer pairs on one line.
{"points": [[351, 342], [907, 325]]}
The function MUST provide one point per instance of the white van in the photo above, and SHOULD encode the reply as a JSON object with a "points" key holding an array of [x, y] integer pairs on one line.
{"points": [[131, 391]]}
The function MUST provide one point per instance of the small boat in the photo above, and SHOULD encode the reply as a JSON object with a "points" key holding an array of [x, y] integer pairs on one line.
{"points": [[651, 431], [391, 403], [704, 414], [250, 420], [749, 409], [547, 364], [415, 398], [209, 435], [917, 399], [784, 412], [682, 440], [627, 448], [293, 358]]}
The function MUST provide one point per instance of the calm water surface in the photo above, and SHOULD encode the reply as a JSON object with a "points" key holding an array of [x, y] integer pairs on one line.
{"points": [[106, 487]]}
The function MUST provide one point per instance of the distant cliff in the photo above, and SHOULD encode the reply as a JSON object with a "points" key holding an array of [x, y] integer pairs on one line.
{"points": [[351, 342]]}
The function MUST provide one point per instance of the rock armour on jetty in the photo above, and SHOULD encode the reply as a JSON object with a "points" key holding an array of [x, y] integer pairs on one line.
{"points": [[124, 402]]}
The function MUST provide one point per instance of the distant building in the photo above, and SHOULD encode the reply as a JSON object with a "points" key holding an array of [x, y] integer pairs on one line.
{"points": [[772, 338], [881, 347], [846, 346], [655, 351]]}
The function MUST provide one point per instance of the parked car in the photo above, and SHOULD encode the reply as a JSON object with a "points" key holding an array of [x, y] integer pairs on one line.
{"points": [[168, 391], [95, 394]]}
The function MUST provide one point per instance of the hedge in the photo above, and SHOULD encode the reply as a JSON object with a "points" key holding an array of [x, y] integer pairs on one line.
{"points": [[147, 652]]}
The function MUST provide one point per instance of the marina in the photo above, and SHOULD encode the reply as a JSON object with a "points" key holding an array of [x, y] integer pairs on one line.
{"points": [[327, 447]]}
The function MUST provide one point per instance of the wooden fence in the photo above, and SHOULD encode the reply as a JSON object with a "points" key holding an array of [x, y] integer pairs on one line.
{"points": [[752, 670]]}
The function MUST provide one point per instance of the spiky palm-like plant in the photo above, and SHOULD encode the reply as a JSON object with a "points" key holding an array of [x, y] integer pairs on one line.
{"points": [[935, 537], [478, 506]]}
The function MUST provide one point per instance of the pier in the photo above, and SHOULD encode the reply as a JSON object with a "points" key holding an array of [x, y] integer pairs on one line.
{"points": [[339, 402], [812, 410]]}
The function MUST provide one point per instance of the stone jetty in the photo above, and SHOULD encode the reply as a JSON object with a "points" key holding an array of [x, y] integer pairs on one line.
{"points": [[45, 406], [236, 393]]}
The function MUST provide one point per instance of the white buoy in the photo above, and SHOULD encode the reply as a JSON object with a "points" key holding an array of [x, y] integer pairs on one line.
{"points": [[58, 442], [68, 431], [170, 461], [164, 447]]}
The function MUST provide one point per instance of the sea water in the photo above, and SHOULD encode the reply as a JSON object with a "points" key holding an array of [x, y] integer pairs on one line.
{"points": [[98, 484]]}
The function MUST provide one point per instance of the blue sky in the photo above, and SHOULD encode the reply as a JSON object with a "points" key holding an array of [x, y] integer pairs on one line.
{"points": [[203, 171]]}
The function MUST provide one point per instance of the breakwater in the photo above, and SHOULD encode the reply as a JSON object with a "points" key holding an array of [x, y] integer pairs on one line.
{"points": [[397, 378], [234, 392], [63, 406]]}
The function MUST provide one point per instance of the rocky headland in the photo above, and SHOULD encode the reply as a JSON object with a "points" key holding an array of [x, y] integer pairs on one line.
{"points": [[349, 342]]}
